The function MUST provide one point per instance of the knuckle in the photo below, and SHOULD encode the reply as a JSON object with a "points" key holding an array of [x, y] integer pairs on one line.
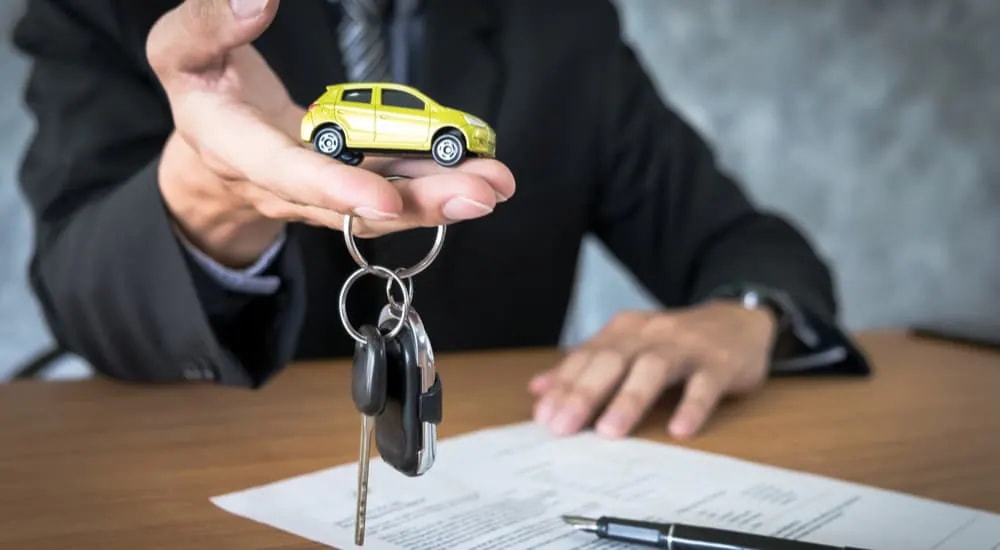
{"points": [[154, 53], [580, 355], [609, 357], [650, 360], [201, 9], [625, 320], [719, 355], [664, 324], [169, 32], [202, 17]]}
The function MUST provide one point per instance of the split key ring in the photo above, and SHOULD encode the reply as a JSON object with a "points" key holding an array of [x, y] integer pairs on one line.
{"points": [[407, 273], [404, 307]]}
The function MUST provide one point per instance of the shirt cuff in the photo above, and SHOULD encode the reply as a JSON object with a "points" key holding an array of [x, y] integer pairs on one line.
{"points": [[802, 344], [248, 280]]}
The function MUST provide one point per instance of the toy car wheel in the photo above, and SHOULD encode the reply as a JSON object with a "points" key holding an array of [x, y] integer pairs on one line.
{"points": [[329, 140], [351, 158], [448, 149]]}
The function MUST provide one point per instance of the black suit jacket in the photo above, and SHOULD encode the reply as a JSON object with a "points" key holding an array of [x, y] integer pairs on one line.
{"points": [[587, 136]]}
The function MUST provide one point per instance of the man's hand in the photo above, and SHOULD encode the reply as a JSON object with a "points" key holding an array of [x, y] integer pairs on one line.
{"points": [[718, 348], [234, 171]]}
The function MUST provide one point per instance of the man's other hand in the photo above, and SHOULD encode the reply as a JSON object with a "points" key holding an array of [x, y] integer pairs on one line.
{"points": [[234, 171], [718, 348]]}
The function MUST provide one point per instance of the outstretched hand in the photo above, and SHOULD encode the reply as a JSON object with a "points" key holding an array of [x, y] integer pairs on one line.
{"points": [[234, 171], [718, 348]]}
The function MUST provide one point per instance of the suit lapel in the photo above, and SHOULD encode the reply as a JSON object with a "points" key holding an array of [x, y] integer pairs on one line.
{"points": [[460, 64]]}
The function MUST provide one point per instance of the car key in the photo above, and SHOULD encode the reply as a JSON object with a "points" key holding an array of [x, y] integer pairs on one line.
{"points": [[368, 389], [406, 432]]}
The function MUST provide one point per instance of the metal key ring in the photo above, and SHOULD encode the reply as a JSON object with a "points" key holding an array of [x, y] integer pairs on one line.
{"points": [[388, 289], [352, 247], [405, 307]]}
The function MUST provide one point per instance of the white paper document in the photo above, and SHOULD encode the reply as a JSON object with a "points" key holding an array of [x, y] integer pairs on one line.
{"points": [[506, 488]]}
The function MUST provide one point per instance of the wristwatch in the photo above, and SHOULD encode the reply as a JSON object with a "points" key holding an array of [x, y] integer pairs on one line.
{"points": [[792, 330]]}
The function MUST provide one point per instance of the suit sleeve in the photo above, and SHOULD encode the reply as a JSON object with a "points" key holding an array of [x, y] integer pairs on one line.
{"points": [[115, 284], [679, 223]]}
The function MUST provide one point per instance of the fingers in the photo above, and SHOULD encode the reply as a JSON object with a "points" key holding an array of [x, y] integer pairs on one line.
{"points": [[701, 395], [268, 157], [493, 172], [561, 380], [271, 206], [195, 36], [576, 404], [446, 198], [439, 196], [542, 382], [652, 372], [576, 388], [635, 357], [589, 376]]}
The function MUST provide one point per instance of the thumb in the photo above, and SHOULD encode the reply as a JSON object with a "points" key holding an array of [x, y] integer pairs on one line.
{"points": [[196, 36]]}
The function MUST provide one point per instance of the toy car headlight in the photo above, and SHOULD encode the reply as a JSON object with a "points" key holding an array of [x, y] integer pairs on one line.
{"points": [[475, 121]]}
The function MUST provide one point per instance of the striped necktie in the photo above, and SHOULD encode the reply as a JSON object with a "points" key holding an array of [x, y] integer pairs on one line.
{"points": [[362, 41]]}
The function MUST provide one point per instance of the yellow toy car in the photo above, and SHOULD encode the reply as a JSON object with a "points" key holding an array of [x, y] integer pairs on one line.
{"points": [[351, 119]]}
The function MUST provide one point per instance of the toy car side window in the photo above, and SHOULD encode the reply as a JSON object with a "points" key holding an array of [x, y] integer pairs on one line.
{"points": [[396, 98], [357, 95]]}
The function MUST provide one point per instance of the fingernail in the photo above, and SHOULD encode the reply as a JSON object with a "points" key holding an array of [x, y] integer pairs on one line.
{"points": [[461, 208], [679, 427], [543, 413], [565, 423], [500, 198], [373, 214], [612, 424], [247, 9]]}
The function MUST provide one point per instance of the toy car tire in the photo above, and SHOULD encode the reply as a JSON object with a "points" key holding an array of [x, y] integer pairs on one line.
{"points": [[351, 158], [329, 140], [448, 149]]}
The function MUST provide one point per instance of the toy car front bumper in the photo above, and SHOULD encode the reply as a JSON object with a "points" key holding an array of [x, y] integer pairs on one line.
{"points": [[483, 142]]}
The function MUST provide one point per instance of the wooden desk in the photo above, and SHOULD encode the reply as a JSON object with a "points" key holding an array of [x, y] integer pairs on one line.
{"points": [[99, 464]]}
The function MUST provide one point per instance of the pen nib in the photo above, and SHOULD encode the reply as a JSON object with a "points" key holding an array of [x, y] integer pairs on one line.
{"points": [[581, 523]]}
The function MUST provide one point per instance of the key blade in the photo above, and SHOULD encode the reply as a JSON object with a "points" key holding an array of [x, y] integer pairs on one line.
{"points": [[364, 459]]}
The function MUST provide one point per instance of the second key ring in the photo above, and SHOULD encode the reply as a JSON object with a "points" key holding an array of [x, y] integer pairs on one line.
{"points": [[406, 273]]}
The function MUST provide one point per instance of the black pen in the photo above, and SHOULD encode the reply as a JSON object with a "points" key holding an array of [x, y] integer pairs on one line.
{"points": [[676, 536]]}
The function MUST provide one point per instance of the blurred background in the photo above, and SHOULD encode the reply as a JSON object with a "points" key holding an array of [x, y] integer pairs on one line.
{"points": [[874, 125]]}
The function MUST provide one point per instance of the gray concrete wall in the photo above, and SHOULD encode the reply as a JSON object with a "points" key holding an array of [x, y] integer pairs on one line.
{"points": [[22, 331], [872, 124]]}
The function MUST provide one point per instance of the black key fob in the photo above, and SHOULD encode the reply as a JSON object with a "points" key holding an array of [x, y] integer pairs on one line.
{"points": [[406, 431]]}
